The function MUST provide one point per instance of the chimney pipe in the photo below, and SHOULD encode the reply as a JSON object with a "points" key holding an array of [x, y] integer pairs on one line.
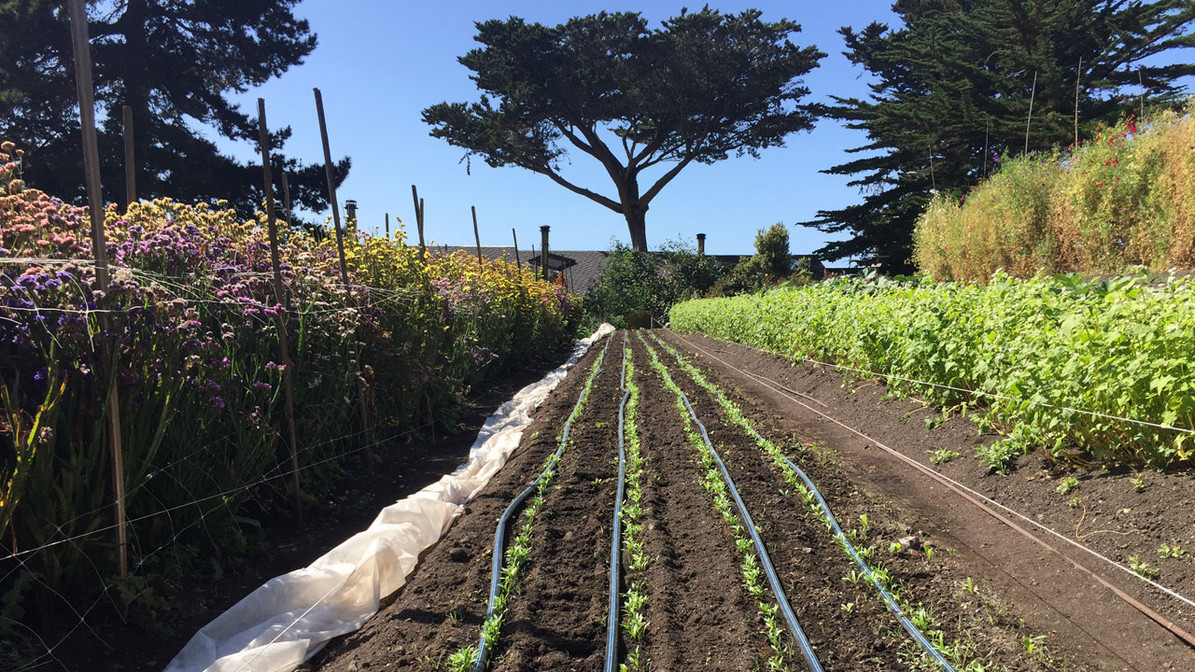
{"points": [[350, 207], [543, 252], [701, 244]]}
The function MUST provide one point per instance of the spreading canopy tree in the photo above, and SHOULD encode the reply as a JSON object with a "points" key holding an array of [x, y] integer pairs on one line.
{"points": [[699, 88], [174, 64], [953, 89]]}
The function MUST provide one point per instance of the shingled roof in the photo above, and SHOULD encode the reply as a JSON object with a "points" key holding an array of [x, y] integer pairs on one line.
{"points": [[579, 276]]}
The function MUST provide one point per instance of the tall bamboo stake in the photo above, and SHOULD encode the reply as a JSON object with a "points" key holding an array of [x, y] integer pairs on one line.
{"points": [[419, 220], [1078, 76], [518, 262], [286, 199], [1032, 95], [323, 130], [476, 236], [91, 167], [130, 168], [387, 226], [263, 136]]}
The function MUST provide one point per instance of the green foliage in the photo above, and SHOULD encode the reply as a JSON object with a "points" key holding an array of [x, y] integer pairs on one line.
{"points": [[1124, 199], [1032, 350], [770, 265], [593, 84], [176, 65], [1067, 485], [638, 284], [1142, 568], [953, 90]]}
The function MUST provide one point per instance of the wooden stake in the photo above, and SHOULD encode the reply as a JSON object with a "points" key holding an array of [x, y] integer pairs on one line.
{"points": [[91, 167], [1141, 81], [1032, 95], [476, 236], [323, 130], [130, 168], [387, 226], [1078, 76], [518, 262], [419, 220], [286, 199], [543, 250], [263, 136]]}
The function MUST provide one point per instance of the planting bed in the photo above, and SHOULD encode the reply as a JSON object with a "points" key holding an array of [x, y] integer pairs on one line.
{"points": [[696, 592]]}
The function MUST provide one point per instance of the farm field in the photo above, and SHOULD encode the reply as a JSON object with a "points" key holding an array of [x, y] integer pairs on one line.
{"points": [[989, 597]]}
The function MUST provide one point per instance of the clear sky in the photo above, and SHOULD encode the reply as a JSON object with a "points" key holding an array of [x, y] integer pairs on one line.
{"points": [[380, 62]]}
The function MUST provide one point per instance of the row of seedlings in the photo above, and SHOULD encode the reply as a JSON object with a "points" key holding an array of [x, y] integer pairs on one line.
{"points": [[508, 561], [634, 598], [755, 567], [934, 649]]}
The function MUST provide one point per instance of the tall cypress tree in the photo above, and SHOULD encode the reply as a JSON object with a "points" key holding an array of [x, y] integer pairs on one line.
{"points": [[953, 90], [174, 64]]}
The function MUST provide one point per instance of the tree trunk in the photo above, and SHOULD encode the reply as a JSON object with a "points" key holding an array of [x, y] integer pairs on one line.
{"points": [[636, 224]]}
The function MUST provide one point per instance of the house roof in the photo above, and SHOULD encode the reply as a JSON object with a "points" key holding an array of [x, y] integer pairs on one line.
{"points": [[580, 275]]}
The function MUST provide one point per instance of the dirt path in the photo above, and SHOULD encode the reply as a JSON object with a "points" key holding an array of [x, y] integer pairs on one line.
{"points": [[1083, 622]]}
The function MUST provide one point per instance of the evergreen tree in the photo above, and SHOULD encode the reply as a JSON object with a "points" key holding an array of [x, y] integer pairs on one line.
{"points": [[174, 64], [699, 88], [953, 92]]}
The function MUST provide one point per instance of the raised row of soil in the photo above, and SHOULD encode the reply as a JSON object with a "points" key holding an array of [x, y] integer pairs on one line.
{"points": [[699, 612]]}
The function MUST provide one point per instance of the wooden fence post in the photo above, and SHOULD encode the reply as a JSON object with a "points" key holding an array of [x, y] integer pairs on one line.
{"points": [[130, 167], [91, 167], [263, 136], [323, 130], [387, 226], [476, 236], [543, 250], [518, 262]]}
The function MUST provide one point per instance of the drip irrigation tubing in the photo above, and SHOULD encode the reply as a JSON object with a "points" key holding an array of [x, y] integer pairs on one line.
{"points": [[764, 560], [893, 606], [479, 663], [989, 506], [616, 544]]}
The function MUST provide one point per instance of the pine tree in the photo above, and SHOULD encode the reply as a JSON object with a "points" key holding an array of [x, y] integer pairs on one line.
{"points": [[953, 92], [174, 64]]}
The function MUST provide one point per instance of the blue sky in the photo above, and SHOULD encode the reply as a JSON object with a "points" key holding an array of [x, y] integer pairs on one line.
{"points": [[379, 63]]}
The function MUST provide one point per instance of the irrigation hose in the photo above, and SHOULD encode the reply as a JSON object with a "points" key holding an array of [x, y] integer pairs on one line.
{"points": [[616, 545], [764, 560], [479, 663], [893, 606], [982, 502]]}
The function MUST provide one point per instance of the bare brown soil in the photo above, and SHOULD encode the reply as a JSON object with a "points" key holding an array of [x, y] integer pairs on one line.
{"points": [[1084, 623], [700, 615], [1001, 598]]}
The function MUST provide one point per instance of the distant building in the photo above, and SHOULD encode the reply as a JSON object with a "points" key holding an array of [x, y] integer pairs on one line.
{"points": [[582, 268]]}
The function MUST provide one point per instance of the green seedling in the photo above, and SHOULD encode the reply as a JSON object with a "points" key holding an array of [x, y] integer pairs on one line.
{"points": [[1067, 485], [942, 455], [970, 586], [1142, 568], [1138, 482], [1074, 502], [1168, 551]]}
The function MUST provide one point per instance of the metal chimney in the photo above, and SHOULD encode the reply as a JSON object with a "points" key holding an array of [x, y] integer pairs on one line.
{"points": [[701, 244]]}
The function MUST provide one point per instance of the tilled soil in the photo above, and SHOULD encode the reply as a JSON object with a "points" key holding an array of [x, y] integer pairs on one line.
{"points": [[700, 615], [1119, 514]]}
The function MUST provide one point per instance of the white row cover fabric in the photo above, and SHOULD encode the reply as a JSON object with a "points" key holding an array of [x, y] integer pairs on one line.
{"points": [[291, 617]]}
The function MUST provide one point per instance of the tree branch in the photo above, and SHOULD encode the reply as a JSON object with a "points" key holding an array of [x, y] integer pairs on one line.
{"points": [[593, 196], [665, 179]]}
